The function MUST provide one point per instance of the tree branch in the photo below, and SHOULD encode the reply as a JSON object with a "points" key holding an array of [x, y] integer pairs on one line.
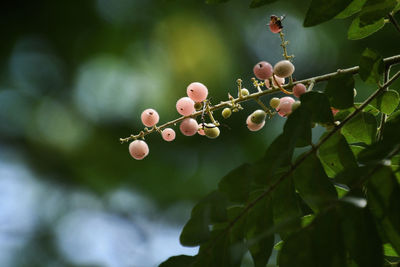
{"points": [[354, 70]]}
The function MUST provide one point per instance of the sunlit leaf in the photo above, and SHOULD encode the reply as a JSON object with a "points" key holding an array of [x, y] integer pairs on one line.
{"points": [[359, 31], [387, 102], [362, 128], [374, 10], [336, 155]]}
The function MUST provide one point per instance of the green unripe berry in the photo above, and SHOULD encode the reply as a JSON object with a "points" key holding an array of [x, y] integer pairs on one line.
{"points": [[245, 92], [198, 105], [211, 131], [226, 113], [295, 105], [274, 102], [258, 116]]}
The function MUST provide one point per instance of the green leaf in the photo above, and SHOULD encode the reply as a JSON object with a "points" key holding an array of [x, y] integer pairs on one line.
{"points": [[178, 261], [341, 191], [258, 3], [360, 129], [383, 193], [359, 31], [318, 105], [313, 184], [371, 66], [298, 127], [389, 251], [319, 244], [286, 208], [323, 10], [307, 219], [259, 223], [340, 91], [211, 209], [354, 7], [236, 184], [374, 10], [220, 251], [356, 149], [336, 155], [360, 236], [216, 1], [387, 102], [278, 245]]}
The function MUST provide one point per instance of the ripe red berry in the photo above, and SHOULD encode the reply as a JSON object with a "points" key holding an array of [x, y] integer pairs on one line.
{"points": [[189, 127], [197, 91], [150, 117], [263, 70], [299, 89], [168, 134], [185, 106], [138, 149], [285, 106], [275, 24]]}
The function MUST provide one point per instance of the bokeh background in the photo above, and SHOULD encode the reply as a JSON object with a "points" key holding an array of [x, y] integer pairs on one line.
{"points": [[74, 78]]}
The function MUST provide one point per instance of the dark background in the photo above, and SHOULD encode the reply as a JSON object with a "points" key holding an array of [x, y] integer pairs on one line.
{"points": [[74, 78]]}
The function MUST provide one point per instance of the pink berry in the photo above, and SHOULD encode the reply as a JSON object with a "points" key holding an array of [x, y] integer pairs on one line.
{"points": [[200, 131], [150, 117], [138, 149], [185, 106], [299, 89], [168, 134], [189, 127], [274, 28], [197, 91], [285, 106], [280, 80], [253, 126], [263, 70], [334, 111]]}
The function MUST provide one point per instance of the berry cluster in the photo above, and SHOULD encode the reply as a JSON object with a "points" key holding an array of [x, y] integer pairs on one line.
{"points": [[196, 104]]}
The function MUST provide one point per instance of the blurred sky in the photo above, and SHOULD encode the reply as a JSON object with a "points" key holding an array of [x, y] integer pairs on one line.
{"points": [[74, 78]]}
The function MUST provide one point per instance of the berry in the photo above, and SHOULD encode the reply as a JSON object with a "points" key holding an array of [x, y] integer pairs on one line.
{"points": [[201, 131], [211, 131], [296, 105], [138, 149], [197, 91], [189, 127], [150, 117], [299, 89], [185, 106], [280, 80], [274, 28], [334, 111], [258, 116], [283, 68], [275, 24], [198, 105], [226, 113], [274, 102], [245, 92], [263, 70], [254, 126], [285, 106], [168, 134]]}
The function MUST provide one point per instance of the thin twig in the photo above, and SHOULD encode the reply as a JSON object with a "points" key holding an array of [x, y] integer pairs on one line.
{"points": [[394, 22], [354, 70], [383, 115]]}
